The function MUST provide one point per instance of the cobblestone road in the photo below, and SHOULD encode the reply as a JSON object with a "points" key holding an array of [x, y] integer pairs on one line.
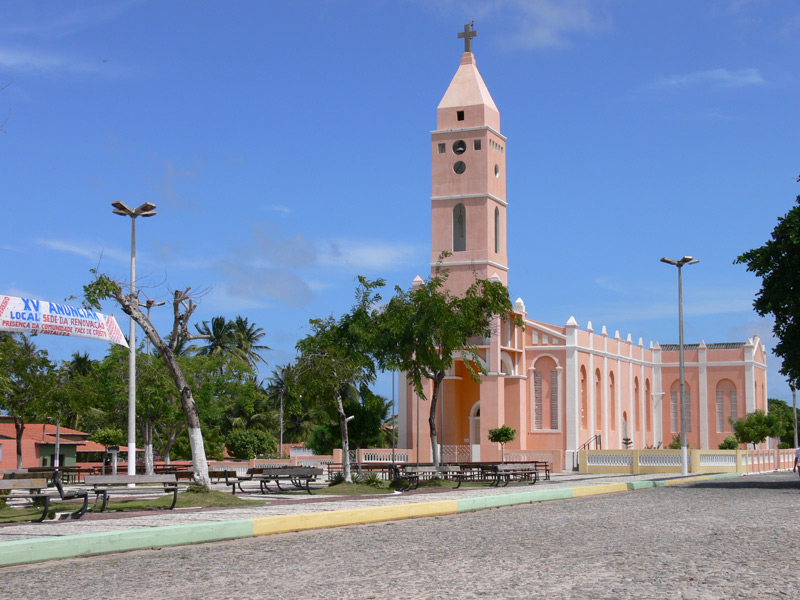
{"points": [[729, 538]]}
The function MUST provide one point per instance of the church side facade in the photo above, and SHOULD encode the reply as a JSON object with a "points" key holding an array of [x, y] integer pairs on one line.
{"points": [[560, 387]]}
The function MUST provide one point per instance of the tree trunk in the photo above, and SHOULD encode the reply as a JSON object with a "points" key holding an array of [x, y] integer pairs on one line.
{"points": [[437, 381], [130, 305], [169, 442], [147, 427], [19, 427], [343, 421]]}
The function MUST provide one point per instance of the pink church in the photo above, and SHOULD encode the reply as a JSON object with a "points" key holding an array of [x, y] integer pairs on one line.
{"points": [[561, 387]]}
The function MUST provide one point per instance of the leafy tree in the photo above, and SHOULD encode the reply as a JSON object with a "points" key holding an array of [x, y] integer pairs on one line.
{"points": [[336, 356], [30, 381], [250, 443], [109, 436], [777, 263], [757, 427], [421, 331], [783, 412], [502, 435]]}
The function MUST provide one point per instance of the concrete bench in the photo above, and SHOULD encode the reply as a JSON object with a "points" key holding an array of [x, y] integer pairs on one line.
{"points": [[105, 485]]}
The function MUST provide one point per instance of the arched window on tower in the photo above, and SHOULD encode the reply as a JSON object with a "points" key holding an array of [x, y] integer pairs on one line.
{"points": [[497, 230], [459, 228], [636, 404], [648, 407]]}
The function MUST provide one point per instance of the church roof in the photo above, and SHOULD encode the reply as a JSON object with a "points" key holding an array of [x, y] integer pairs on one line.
{"points": [[720, 346], [468, 89]]}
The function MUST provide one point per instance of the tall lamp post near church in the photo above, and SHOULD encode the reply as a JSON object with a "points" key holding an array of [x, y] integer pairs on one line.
{"points": [[686, 260], [145, 210]]}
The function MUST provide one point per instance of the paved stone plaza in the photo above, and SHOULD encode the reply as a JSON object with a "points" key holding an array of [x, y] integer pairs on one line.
{"points": [[728, 538]]}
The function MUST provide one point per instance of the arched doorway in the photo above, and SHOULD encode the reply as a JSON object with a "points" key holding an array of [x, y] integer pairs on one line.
{"points": [[475, 432]]}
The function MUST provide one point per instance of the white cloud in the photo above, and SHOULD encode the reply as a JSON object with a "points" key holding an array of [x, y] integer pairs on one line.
{"points": [[94, 252], [366, 255], [52, 23], [43, 62], [546, 23], [713, 77]]}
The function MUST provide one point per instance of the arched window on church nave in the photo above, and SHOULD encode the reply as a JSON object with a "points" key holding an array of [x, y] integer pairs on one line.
{"points": [[497, 230], [459, 228], [636, 404], [545, 393], [727, 405], [584, 399], [675, 409], [598, 400], [612, 401], [648, 407]]}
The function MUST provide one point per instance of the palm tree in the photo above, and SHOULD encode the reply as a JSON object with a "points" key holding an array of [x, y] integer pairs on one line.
{"points": [[247, 338], [221, 338], [232, 339], [277, 392]]}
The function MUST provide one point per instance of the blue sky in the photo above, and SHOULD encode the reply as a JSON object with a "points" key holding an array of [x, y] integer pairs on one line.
{"points": [[286, 146]]}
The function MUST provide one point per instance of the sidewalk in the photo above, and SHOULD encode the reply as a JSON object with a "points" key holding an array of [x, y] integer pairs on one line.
{"points": [[114, 532]]}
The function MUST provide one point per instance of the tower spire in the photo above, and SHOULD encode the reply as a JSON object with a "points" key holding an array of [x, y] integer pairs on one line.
{"points": [[467, 36]]}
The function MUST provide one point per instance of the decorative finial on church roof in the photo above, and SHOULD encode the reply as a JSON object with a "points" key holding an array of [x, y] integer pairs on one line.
{"points": [[519, 305], [572, 322], [467, 36]]}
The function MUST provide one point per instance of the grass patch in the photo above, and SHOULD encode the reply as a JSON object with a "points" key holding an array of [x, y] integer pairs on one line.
{"points": [[187, 499], [353, 489]]}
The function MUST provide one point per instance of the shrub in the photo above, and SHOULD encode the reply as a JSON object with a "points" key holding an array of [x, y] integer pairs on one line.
{"points": [[372, 480], [729, 443], [250, 443]]}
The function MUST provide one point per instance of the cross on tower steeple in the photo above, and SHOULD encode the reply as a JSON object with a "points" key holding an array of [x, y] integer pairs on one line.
{"points": [[467, 35]]}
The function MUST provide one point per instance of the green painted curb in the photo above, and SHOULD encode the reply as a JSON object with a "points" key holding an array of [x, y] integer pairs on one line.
{"points": [[721, 475], [641, 485], [472, 504], [87, 544]]}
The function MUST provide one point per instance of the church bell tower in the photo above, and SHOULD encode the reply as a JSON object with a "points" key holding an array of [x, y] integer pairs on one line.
{"points": [[468, 197]]}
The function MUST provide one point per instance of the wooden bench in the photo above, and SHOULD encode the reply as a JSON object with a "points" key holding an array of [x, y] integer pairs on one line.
{"points": [[517, 471], [104, 485], [299, 477], [412, 474], [35, 489]]}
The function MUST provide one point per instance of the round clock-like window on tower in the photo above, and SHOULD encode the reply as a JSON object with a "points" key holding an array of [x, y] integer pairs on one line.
{"points": [[459, 167], [459, 147]]}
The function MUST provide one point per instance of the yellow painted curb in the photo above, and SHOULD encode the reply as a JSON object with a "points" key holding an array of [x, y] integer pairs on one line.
{"points": [[686, 480], [337, 518], [605, 488]]}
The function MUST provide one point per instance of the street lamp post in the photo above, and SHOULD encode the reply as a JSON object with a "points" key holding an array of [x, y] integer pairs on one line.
{"points": [[150, 303], [686, 260], [145, 210]]}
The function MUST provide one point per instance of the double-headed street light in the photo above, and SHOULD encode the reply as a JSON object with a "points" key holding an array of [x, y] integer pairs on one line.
{"points": [[686, 260], [148, 209]]}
